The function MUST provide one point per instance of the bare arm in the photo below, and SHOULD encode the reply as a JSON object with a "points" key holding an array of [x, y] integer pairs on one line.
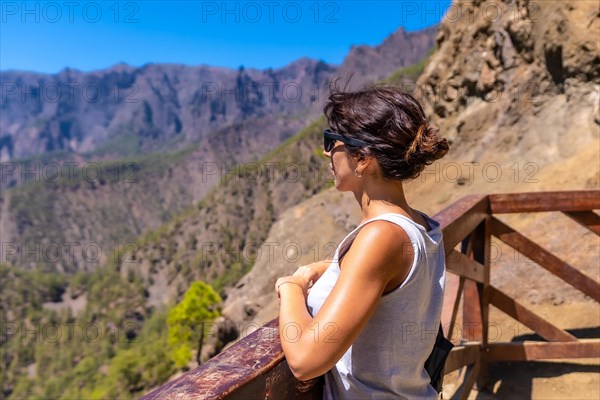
{"points": [[312, 346]]}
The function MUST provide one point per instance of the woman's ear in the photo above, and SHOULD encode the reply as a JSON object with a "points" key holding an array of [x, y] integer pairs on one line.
{"points": [[363, 162]]}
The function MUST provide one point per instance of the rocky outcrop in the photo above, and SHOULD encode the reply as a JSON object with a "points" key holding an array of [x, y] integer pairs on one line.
{"points": [[517, 78]]}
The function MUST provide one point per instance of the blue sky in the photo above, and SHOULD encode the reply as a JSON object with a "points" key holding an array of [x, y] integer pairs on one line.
{"points": [[47, 36]]}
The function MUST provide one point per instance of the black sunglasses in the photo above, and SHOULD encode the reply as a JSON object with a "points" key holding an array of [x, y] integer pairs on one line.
{"points": [[329, 139]]}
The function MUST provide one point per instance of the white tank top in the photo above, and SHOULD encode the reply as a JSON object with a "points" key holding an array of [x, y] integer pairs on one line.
{"points": [[387, 359]]}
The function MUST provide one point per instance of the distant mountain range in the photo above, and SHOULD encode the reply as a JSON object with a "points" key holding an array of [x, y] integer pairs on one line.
{"points": [[181, 128], [125, 110], [154, 107]]}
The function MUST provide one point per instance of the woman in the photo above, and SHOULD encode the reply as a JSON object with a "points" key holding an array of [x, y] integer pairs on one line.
{"points": [[370, 319]]}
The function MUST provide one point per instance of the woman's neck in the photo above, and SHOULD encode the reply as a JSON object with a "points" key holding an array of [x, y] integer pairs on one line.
{"points": [[378, 199]]}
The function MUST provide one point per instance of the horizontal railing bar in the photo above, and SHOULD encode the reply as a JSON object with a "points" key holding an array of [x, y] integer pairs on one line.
{"points": [[577, 200], [525, 351], [279, 383], [241, 363]]}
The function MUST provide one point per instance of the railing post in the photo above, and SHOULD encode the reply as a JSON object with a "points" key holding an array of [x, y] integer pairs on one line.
{"points": [[482, 254], [471, 330], [476, 295]]}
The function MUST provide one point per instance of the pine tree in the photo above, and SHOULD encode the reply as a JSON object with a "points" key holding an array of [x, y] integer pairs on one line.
{"points": [[188, 319]]}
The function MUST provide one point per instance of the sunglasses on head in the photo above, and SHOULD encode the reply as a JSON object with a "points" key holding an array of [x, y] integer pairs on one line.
{"points": [[329, 139]]}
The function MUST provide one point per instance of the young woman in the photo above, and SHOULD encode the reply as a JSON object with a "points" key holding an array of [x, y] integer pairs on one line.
{"points": [[370, 318]]}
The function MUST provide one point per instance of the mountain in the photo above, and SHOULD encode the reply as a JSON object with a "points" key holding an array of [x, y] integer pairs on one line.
{"points": [[174, 134], [126, 110], [153, 107], [399, 49]]}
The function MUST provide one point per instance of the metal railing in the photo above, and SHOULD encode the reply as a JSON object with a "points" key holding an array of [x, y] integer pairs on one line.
{"points": [[255, 367]]}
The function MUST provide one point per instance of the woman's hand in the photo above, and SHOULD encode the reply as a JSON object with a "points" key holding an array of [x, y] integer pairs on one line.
{"points": [[304, 277], [319, 267]]}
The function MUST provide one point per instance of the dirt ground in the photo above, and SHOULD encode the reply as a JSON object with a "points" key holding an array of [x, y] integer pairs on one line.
{"points": [[548, 379]]}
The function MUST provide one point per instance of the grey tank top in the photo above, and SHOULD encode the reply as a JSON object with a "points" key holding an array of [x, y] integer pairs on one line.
{"points": [[387, 359]]}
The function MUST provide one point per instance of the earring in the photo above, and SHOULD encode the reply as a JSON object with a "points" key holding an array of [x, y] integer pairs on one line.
{"points": [[357, 174]]}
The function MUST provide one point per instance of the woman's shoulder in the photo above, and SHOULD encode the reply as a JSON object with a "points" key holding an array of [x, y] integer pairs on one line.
{"points": [[385, 224], [385, 250], [383, 237]]}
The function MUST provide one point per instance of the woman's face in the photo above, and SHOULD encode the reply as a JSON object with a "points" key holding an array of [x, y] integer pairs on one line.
{"points": [[341, 167]]}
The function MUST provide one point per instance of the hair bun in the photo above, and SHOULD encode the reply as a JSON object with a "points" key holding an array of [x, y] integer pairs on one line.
{"points": [[426, 147]]}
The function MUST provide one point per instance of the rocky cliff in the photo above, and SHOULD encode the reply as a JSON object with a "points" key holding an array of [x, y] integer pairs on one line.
{"points": [[516, 84], [399, 49]]}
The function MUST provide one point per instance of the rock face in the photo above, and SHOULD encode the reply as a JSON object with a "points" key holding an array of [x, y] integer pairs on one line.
{"points": [[517, 91], [516, 79]]}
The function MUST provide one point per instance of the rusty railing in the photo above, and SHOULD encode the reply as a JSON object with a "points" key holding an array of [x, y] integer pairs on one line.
{"points": [[255, 368]]}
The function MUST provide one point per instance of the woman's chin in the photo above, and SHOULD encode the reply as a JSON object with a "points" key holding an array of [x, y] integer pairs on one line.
{"points": [[338, 185]]}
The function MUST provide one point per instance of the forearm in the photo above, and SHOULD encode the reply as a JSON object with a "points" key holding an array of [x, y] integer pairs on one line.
{"points": [[293, 314], [294, 328], [296, 325]]}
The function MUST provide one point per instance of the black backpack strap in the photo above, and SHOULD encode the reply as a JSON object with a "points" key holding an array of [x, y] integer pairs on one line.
{"points": [[435, 363]]}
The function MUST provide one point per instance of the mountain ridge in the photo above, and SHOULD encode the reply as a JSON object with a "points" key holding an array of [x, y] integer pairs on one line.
{"points": [[257, 127]]}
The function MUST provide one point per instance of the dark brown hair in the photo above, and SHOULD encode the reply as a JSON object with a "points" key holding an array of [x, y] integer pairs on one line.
{"points": [[394, 125]]}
